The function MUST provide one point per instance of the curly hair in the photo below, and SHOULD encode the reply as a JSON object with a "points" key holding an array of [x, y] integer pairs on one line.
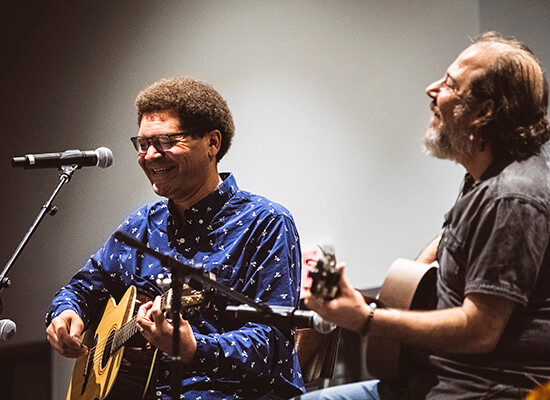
{"points": [[198, 105], [518, 126]]}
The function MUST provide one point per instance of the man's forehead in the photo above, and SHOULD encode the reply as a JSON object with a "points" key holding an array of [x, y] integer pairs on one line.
{"points": [[477, 56], [160, 114], [481, 55], [471, 61]]}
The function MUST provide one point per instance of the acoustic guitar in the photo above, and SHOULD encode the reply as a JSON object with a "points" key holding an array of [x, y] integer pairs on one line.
{"points": [[541, 392], [120, 363], [409, 285]]}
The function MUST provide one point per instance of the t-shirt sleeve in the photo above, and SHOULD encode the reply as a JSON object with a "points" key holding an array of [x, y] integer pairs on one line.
{"points": [[507, 249]]}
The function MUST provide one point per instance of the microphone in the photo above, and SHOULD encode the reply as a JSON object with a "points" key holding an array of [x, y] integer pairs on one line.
{"points": [[7, 329], [102, 157], [281, 317]]}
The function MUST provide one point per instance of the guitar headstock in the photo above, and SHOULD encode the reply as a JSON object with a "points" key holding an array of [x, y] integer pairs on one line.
{"points": [[191, 299], [324, 275]]}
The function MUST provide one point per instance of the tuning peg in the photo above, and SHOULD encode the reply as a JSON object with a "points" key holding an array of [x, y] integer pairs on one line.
{"points": [[164, 281]]}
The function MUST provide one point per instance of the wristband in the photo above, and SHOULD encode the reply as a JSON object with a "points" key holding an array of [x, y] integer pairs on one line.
{"points": [[366, 325]]}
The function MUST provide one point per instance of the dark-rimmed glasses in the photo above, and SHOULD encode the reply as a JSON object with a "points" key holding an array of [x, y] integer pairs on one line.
{"points": [[161, 142]]}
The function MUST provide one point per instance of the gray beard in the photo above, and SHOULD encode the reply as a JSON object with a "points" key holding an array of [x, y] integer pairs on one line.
{"points": [[449, 142]]}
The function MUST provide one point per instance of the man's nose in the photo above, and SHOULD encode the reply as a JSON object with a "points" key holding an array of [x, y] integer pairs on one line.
{"points": [[433, 89], [152, 152]]}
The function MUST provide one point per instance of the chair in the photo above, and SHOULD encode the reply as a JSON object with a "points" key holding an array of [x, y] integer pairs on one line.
{"points": [[317, 355]]}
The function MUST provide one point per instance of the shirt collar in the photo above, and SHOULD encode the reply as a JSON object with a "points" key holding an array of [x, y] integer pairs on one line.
{"points": [[493, 169], [202, 211]]}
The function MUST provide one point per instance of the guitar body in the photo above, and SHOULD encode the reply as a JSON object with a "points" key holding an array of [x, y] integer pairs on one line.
{"points": [[409, 285], [111, 371]]}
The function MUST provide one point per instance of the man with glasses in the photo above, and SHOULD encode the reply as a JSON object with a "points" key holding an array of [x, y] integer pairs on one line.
{"points": [[246, 241]]}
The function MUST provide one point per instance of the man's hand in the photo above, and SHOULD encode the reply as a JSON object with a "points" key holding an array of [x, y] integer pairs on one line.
{"points": [[158, 331], [64, 332], [475, 327], [349, 310]]}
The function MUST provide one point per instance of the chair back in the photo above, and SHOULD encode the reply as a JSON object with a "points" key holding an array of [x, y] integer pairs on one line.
{"points": [[317, 353]]}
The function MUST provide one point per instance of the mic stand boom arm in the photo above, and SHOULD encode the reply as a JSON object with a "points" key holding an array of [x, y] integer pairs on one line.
{"points": [[195, 273], [47, 208]]}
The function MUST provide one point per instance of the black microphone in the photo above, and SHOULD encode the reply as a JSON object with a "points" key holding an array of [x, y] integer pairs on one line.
{"points": [[7, 329], [102, 157], [281, 317]]}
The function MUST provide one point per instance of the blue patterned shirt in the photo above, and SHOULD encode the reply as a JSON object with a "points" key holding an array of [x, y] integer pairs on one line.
{"points": [[251, 245]]}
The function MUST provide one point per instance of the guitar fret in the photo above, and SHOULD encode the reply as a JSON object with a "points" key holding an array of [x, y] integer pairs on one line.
{"points": [[124, 333], [130, 328]]}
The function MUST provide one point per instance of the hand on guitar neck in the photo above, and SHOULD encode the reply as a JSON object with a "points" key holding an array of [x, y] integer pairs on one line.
{"points": [[408, 285], [331, 296], [158, 331], [64, 334], [345, 310]]}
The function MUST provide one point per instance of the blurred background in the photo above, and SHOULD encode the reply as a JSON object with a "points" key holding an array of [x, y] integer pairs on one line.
{"points": [[328, 101]]}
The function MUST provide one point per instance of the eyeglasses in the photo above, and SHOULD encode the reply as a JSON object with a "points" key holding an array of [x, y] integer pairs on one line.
{"points": [[160, 142]]}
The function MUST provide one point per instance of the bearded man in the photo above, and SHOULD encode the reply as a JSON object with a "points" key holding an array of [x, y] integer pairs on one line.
{"points": [[488, 334]]}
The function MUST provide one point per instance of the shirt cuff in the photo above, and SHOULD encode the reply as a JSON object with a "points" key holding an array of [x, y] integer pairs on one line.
{"points": [[207, 354]]}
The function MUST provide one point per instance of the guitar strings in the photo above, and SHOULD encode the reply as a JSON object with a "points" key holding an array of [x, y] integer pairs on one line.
{"points": [[129, 329]]}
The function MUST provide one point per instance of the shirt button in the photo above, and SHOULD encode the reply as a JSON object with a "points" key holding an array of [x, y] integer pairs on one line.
{"points": [[166, 373], [200, 221]]}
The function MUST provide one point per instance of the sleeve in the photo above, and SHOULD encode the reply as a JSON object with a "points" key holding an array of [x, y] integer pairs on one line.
{"points": [[507, 249], [259, 351], [106, 273], [84, 293]]}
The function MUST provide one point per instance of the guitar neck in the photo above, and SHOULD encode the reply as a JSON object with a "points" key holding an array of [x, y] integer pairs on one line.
{"points": [[130, 328], [125, 333]]}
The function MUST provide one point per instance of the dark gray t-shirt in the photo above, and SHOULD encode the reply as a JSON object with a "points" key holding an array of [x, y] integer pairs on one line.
{"points": [[496, 241]]}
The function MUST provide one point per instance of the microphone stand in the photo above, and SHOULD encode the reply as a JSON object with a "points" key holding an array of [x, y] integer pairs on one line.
{"points": [[178, 270], [175, 359], [64, 177]]}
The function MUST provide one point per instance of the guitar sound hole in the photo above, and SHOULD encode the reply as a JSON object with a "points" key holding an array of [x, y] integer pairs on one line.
{"points": [[107, 351]]}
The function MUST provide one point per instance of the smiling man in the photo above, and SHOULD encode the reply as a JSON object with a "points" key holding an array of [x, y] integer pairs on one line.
{"points": [[488, 336], [248, 242]]}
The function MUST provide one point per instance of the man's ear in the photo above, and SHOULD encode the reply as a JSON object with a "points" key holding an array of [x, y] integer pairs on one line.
{"points": [[485, 113], [214, 142]]}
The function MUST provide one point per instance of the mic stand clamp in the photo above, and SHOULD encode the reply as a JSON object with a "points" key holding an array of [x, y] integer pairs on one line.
{"points": [[64, 177]]}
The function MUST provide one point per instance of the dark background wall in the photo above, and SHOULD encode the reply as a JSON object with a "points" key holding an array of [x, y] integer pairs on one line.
{"points": [[328, 99]]}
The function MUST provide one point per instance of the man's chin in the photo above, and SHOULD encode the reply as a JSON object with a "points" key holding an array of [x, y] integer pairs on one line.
{"points": [[431, 141], [158, 190], [436, 150], [435, 145]]}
